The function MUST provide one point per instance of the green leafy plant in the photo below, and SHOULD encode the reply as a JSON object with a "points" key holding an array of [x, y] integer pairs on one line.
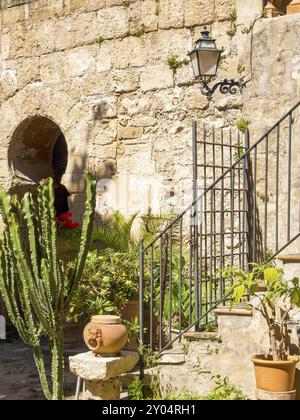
{"points": [[243, 125], [124, 235], [109, 282], [157, 10], [241, 69], [275, 304], [233, 27], [35, 285], [174, 63], [225, 390], [136, 389], [117, 234], [138, 32]]}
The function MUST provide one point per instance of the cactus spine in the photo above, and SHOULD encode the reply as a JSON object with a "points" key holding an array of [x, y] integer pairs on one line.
{"points": [[35, 285]]}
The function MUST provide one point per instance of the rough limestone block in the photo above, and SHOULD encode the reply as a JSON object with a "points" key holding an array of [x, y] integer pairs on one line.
{"points": [[198, 12], [156, 76], [2, 328], [102, 390], [130, 132], [96, 368]]}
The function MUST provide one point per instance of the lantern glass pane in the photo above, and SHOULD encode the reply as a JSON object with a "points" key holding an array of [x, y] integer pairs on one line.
{"points": [[195, 64], [208, 62], [208, 44]]}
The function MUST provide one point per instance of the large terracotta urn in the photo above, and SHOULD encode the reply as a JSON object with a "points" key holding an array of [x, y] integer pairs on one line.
{"points": [[105, 335]]}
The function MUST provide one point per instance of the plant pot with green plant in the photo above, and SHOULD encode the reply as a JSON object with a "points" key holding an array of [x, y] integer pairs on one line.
{"points": [[275, 370]]}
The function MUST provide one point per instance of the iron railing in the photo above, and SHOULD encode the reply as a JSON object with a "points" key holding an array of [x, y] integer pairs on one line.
{"points": [[248, 213]]}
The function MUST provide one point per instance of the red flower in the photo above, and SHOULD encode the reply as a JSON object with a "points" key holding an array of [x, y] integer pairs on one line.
{"points": [[65, 217], [70, 225]]}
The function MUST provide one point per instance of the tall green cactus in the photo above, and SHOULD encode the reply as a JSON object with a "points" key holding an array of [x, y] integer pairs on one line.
{"points": [[35, 285]]}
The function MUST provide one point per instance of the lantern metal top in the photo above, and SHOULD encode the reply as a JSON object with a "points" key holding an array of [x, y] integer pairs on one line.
{"points": [[206, 43]]}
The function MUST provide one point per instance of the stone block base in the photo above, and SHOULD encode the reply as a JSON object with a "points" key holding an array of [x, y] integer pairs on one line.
{"points": [[102, 390], [102, 375]]}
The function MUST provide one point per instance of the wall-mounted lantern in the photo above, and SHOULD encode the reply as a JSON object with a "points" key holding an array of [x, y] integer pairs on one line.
{"points": [[205, 59]]}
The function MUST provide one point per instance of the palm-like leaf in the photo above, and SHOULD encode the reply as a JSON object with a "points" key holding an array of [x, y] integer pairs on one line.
{"points": [[116, 234]]}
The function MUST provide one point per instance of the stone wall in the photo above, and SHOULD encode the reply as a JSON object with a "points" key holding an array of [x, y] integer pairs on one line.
{"points": [[273, 88], [99, 70]]}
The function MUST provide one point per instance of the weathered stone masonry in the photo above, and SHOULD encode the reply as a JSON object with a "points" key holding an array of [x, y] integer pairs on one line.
{"points": [[99, 71]]}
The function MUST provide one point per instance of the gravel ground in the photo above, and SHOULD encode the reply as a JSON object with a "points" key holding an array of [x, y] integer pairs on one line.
{"points": [[18, 375]]}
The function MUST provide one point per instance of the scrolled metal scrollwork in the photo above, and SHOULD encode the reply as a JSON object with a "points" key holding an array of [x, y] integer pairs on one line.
{"points": [[226, 87]]}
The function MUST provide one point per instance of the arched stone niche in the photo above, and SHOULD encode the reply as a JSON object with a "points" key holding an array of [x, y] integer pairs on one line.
{"points": [[38, 150]]}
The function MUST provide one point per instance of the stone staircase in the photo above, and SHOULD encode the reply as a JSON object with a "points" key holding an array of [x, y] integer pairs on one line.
{"points": [[241, 333]]}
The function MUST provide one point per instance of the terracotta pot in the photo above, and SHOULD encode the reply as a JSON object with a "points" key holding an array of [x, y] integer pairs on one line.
{"points": [[274, 376], [105, 335]]}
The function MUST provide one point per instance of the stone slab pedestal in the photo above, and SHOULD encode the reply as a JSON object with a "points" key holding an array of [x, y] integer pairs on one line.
{"points": [[102, 374]]}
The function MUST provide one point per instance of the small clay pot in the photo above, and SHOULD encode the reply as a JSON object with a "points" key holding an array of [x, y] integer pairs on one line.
{"points": [[105, 335]]}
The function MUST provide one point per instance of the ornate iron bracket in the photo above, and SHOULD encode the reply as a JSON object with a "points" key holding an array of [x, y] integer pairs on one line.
{"points": [[226, 86]]}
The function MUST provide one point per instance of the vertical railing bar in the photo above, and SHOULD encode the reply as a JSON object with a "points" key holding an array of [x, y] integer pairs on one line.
{"points": [[254, 205], [214, 216], [190, 267], [195, 223], [161, 294], [231, 198], [277, 188], [205, 223], [211, 249], [200, 258], [266, 196], [195, 160], [245, 199], [289, 179], [239, 204], [141, 304], [180, 275], [171, 283], [151, 296], [222, 221], [247, 191]]}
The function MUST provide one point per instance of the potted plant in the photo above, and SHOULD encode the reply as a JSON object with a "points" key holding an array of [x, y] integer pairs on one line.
{"points": [[275, 370]]}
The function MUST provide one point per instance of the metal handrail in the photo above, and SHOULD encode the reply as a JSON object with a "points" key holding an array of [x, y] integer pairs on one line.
{"points": [[202, 280]]}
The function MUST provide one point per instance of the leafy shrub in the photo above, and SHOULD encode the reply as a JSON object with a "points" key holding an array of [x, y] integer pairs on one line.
{"points": [[225, 390], [110, 281]]}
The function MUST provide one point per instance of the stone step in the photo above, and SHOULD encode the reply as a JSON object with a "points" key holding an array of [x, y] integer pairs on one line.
{"points": [[201, 336], [128, 378], [174, 356]]}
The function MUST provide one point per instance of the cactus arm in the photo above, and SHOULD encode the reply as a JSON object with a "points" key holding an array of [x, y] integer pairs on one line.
{"points": [[48, 231], [28, 288], [8, 291], [27, 210], [39, 361], [86, 234]]}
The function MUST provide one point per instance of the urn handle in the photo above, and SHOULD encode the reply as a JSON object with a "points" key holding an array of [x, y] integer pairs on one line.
{"points": [[95, 338]]}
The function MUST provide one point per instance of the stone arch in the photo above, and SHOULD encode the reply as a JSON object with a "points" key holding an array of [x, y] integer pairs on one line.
{"points": [[38, 150]]}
